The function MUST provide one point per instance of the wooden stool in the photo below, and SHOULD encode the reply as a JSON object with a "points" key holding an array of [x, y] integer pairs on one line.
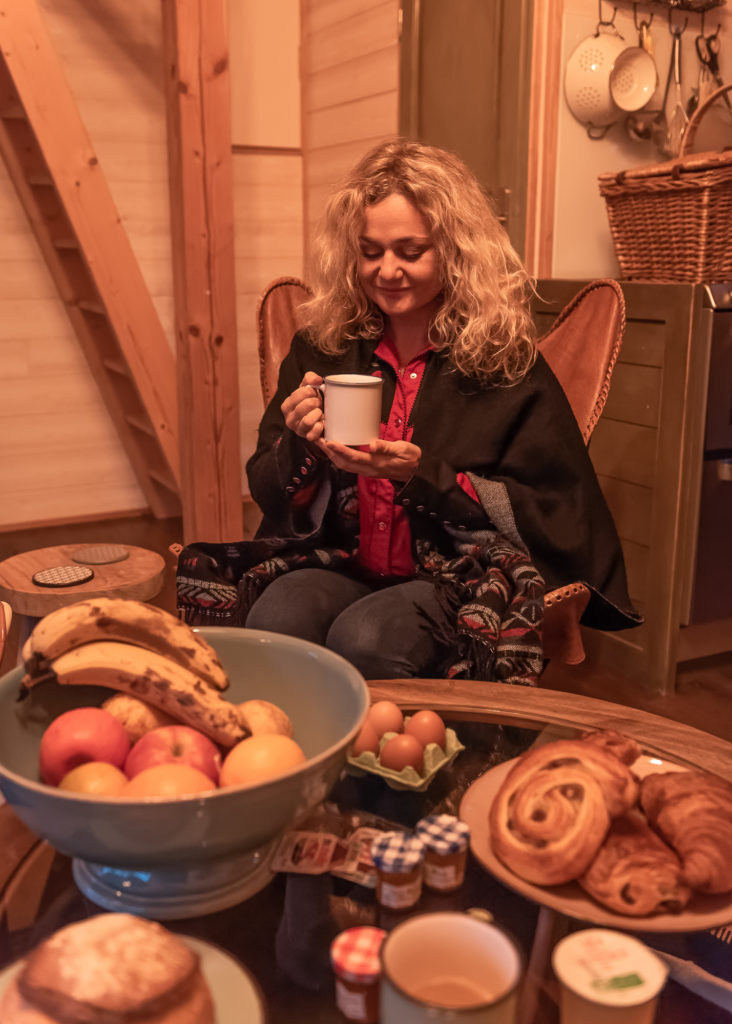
{"points": [[139, 576]]}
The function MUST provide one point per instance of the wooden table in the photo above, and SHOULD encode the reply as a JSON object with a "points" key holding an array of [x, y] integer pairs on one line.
{"points": [[525, 706], [282, 933], [139, 576]]}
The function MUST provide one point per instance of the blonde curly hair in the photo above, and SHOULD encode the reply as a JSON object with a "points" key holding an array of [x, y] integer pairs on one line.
{"points": [[483, 324]]}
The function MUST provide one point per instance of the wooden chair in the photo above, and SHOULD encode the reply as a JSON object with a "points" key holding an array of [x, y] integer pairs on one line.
{"points": [[276, 324], [581, 347]]}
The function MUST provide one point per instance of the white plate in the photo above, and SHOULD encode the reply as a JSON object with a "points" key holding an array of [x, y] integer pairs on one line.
{"points": [[235, 993], [701, 913]]}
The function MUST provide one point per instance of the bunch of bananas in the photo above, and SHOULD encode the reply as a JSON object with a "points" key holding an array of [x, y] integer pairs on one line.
{"points": [[139, 650]]}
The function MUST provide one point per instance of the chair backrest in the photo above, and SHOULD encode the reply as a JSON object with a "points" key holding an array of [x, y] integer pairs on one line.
{"points": [[582, 347], [276, 324]]}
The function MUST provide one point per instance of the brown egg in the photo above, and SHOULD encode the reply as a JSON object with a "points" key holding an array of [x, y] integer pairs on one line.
{"points": [[427, 726], [367, 739], [402, 750], [385, 716]]}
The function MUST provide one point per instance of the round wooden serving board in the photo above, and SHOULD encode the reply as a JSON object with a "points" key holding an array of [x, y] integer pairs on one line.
{"points": [[139, 577]]}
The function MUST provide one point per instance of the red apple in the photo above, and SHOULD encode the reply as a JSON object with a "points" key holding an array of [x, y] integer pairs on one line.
{"points": [[174, 744], [78, 736]]}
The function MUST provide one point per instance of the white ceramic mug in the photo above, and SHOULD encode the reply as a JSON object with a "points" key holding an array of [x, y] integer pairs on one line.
{"points": [[449, 966], [352, 405]]}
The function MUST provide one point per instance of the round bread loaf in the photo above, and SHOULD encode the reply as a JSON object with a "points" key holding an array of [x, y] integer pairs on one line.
{"points": [[109, 969]]}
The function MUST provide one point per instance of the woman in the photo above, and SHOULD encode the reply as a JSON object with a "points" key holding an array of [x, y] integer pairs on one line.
{"points": [[425, 550]]}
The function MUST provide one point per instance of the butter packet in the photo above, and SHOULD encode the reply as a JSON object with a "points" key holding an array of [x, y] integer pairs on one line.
{"points": [[358, 865], [307, 853], [334, 842]]}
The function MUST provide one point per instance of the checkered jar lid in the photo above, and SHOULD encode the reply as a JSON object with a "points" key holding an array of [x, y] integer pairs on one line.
{"points": [[443, 833], [354, 954], [397, 852]]}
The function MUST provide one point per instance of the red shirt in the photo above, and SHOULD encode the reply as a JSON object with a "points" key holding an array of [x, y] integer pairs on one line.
{"points": [[385, 547]]}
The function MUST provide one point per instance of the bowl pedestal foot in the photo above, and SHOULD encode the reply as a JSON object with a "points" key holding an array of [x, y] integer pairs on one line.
{"points": [[171, 894]]}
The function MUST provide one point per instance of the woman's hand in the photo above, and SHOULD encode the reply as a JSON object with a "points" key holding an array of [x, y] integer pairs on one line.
{"points": [[392, 460], [303, 409]]}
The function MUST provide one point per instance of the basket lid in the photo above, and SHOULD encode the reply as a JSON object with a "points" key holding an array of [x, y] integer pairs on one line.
{"points": [[677, 167]]}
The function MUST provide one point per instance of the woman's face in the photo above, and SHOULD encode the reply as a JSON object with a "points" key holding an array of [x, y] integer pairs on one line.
{"points": [[397, 262]]}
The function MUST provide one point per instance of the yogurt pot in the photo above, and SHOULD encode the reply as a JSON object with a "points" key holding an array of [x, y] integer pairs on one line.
{"points": [[354, 956], [446, 840], [607, 977], [398, 859]]}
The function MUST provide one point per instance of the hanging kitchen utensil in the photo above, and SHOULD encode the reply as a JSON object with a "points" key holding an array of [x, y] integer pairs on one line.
{"points": [[633, 79], [645, 39], [678, 121], [639, 122], [707, 49], [705, 81], [658, 125], [587, 80]]}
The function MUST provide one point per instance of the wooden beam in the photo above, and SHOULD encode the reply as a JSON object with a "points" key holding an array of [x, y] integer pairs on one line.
{"points": [[195, 40], [543, 127]]}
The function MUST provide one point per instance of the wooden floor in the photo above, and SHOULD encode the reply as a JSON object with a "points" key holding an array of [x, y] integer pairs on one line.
{"points": [[703, 696]]}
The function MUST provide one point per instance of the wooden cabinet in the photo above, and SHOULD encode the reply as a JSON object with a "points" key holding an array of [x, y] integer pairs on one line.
{"points": [[648, 451]]}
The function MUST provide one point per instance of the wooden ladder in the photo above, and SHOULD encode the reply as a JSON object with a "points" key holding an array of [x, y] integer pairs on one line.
{"points": [[62, 188]]}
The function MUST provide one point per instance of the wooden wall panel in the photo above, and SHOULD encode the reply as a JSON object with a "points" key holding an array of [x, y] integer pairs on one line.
{"points": [[49, 403], [110, 55], [350, 101], [269, 244]]}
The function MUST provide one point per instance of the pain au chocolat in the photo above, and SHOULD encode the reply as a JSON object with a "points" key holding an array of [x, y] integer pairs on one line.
{"points": [[109, 969], [635, 872]]}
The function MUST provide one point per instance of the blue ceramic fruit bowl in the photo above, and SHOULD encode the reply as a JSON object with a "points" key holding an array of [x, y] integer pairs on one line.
{"points": [[325, 697]]}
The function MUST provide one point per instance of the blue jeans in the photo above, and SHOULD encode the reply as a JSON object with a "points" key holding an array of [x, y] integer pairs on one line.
{"points": [[380, 631]]}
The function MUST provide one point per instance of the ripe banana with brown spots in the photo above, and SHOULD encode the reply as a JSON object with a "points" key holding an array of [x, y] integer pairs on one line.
{"points": [[151, 677], [127, 621]]}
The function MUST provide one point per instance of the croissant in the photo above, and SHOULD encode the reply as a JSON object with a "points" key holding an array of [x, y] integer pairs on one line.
{"points": [[635, 872], [553, 810], [624, 748], [693, 813]]}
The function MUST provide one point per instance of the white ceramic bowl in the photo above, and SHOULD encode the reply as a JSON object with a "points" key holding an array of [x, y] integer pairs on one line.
{"points": [[633, 79], [324, 695], [587, 80]]}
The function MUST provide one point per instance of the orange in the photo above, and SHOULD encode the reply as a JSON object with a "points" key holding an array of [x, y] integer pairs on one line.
{"points": [[96, 777], [169, 780], [258, 759]]}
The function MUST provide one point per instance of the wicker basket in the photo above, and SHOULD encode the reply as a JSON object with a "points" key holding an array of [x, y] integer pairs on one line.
{"points": [[673, 221]]}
